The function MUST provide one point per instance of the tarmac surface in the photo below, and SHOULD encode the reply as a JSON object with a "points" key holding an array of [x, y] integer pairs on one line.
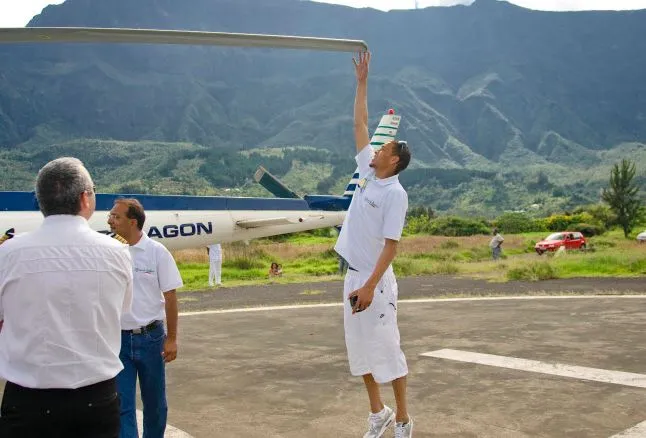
{"points": [[248, 368], [436, 286]]}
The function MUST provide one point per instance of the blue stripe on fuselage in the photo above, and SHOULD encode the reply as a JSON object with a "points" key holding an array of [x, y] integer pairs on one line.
{"points": [[26, 201], [328, 203]]}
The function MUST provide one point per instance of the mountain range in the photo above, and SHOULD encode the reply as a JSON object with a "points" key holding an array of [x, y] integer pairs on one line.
{"points": [[503, 107]]}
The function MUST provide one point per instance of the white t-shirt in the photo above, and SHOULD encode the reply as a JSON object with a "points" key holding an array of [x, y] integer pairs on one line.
{"points": [[215, 252], [63, 289], [155, 272], [377, 212]]}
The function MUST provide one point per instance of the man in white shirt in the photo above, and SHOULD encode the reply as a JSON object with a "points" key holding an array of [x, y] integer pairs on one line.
{"points": [[145, 346], [368, 242], [63, 289], [215, 264]]}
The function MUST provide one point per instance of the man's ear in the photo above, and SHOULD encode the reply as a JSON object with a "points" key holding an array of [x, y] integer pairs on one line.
{"points": [[85, 200]]}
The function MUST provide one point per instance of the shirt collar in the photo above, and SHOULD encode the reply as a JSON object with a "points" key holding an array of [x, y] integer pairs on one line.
{"points": [[142, 244], [387, 181], [65, 220]]}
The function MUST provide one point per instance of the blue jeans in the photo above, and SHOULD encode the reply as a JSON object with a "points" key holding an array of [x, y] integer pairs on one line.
{"points": [[141, 356]]}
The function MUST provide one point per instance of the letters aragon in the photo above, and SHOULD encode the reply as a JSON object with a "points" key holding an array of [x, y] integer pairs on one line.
{"points": [[183, 230]]}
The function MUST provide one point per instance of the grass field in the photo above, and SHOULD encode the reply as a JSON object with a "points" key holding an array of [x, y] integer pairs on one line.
{"points": [[308, 258]]}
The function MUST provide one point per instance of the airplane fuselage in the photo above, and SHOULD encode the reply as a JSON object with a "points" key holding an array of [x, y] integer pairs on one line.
{"points": [[193, 224], [194, 229]]}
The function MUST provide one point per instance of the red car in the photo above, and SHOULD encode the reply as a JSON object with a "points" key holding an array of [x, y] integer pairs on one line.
{"points": [[569, 239]]}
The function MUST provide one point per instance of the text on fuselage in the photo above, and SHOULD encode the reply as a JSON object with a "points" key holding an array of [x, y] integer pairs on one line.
{"points": [[183, 230]]}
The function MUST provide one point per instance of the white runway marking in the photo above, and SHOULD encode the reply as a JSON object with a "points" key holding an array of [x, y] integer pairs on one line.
{"points": [[171, 432], [556, 369], [259, 309], [415, 301], [638, 431]]}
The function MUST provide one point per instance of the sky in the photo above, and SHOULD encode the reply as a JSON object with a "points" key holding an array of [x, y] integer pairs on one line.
{"points": [[17, 13]]}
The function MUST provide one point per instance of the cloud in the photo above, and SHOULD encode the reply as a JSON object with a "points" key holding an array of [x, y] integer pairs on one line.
{"points": [[427, 3], [18, 13], [386, 5], [542, 5], [581, 5]]}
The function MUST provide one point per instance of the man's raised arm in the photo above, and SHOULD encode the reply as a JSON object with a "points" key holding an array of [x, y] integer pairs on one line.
{"points": [[361, 135]]}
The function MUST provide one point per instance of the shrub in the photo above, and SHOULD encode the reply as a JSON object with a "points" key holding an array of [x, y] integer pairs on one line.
{"points": [[456, 226], [450, 244], [601, 214], [447, 268], [475, 254], [516, 223], [243, 263], [533, 272], [604, 244], [446, 226], [418, 224], [563, 222], [589, 230], [402, 268]]}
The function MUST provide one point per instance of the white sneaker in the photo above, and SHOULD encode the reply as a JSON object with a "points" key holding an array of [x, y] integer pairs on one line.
{"points": [[378, 423], [404, 430]]}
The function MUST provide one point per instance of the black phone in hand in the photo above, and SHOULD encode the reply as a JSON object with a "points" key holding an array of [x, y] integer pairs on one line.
{"points": [[353, 302]]}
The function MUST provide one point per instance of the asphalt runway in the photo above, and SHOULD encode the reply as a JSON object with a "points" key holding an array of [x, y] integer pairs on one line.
{"points": [[272, 372], [272, 363]]}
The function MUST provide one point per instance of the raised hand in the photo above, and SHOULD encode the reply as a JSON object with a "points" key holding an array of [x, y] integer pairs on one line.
{"points": [[361, 64]]}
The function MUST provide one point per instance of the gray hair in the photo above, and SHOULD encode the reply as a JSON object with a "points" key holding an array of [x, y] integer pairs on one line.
{"points": [[60, 184]]}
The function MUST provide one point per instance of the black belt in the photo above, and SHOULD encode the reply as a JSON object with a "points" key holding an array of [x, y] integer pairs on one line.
{"points": [[150, 327]]}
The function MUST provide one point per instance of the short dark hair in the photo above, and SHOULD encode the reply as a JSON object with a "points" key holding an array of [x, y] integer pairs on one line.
{"points": [[135, 210], [59, 186], [403, 152]]}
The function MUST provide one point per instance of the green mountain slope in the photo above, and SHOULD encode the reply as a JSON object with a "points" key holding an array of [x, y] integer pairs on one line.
{"points": [[494, 98]]}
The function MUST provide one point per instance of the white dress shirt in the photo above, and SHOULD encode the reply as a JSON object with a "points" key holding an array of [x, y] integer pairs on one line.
{"points": [[63, 289], [155, 272], [377, 212]]}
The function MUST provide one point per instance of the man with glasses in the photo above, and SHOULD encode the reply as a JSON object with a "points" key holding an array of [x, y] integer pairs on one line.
{"points": [[146, 346], [368, 242], [63, 289]]}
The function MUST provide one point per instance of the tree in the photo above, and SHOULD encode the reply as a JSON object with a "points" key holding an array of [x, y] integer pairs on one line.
{"points": [[602, 215], [622, 195], [421, 211]]}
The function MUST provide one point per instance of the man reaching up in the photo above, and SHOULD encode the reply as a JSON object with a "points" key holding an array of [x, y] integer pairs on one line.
{"points": [[368, 242]]}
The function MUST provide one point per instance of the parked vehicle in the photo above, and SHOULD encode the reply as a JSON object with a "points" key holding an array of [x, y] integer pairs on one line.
{"points": [[567, 239], [641, 237]]}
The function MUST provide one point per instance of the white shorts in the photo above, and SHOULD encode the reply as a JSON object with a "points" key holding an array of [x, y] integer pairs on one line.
{"points": [[372, 336]]}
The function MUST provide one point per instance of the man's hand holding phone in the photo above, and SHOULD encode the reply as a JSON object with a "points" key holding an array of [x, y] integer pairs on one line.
{"points": [[361, 298]]}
